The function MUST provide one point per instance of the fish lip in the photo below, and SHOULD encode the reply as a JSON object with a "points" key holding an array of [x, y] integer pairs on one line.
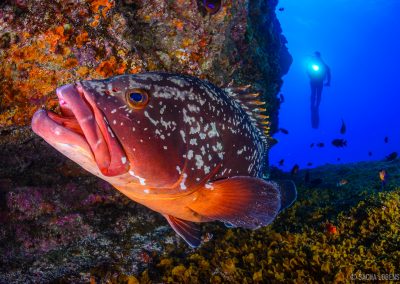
{"points": [[55, 134], [119, 163], [97, 139]]}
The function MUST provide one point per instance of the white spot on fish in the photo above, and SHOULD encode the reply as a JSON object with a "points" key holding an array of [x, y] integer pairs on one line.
{"points": [[114, 111], [123, 160], [199, 161], [183, 135], [193, 141], [213, 132], [141, 180], [162, 109], [146, 114], [165, 147], [195, 130], [190, 154], [178, 81], [209, 186], [182, 184], [193, 108], [110, 131], [188, 119]]}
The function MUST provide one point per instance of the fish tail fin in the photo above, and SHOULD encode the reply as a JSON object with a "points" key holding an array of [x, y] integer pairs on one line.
{"points": [[288, 193], [239, 201]]}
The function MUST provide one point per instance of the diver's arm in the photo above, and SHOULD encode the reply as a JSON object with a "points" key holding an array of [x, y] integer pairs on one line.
{"points": [[328, 76]]}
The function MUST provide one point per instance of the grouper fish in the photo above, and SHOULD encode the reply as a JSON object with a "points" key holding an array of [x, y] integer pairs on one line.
{"points": [[174, 143]]}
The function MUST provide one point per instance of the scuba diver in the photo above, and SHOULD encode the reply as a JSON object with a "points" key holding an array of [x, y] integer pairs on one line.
{"points": [[317, 71]]}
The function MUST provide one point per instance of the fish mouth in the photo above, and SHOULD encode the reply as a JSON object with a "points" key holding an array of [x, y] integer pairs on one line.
{"points": [[81, 131]]}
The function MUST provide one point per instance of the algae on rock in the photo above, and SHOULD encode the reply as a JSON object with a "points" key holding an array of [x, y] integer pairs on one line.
{"points": [[59, 222]]}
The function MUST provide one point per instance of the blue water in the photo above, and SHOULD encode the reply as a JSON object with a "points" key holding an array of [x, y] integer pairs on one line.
{"points": [[360, 41]]}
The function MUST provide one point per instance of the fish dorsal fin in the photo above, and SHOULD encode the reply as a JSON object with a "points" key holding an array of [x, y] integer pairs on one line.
{"points": [[253, 106]]}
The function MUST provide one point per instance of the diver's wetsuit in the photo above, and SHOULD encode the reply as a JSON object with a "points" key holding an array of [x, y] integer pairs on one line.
{"points": [[316, 92], [317, 84]]}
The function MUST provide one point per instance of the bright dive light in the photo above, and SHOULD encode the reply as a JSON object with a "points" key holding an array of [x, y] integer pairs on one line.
{"points": [[315, 67]]}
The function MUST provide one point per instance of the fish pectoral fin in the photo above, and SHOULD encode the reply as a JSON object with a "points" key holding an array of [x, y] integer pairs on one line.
{"points": [[288, 192], [189, 231], [240, 201]]}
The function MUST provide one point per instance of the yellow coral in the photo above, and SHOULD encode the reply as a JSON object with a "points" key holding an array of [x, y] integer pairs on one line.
{"points": [[257, 276]]}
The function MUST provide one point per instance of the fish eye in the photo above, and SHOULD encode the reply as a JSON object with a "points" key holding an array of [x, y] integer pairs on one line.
{"points": [[212, 6], [137, 98]]}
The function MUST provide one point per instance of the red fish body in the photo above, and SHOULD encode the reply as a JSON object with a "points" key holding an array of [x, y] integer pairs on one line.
{"points": [[179, 145]]}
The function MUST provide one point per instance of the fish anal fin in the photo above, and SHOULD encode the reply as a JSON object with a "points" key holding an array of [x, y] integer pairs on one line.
{"points": [[189, 231], [240, 201]]}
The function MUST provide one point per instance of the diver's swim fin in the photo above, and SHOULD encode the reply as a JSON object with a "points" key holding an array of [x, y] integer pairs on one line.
{"points": [[189, 231], [240, 201], [288, 193]]}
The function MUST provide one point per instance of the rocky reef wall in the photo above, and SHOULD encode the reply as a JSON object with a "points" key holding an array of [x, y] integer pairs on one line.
{"points": [[58, 223], [45, 44]]}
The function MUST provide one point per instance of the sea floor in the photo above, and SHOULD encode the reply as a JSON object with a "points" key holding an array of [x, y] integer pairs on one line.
{"points": [[62, 225]]}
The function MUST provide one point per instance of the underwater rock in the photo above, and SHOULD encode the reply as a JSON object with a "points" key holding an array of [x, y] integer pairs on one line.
{"points": [[45, 44], [58, 221]]}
